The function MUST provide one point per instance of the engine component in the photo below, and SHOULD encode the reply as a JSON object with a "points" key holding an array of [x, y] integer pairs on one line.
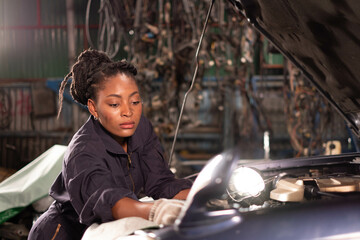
{"points": [[343, 184], [288, 190]]}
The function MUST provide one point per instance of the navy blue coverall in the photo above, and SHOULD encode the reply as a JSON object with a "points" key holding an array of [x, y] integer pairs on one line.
{"points": [[97, 172]]}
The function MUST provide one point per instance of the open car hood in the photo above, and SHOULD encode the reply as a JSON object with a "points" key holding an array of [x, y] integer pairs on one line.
{"points": [[322, 38]]}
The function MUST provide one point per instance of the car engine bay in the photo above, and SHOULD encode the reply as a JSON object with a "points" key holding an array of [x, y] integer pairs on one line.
{"points": [[292, 186]]}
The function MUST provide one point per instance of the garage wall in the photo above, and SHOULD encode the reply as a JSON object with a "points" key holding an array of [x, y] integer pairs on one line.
{"points": [[33, 53], [28, 122], [33, 38]]}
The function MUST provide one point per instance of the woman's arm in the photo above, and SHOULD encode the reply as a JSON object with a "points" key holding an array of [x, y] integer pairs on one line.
{"points": [[127, 207], [182, 195]]}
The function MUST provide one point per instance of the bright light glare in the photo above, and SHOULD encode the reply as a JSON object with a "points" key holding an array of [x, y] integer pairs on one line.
{"points": [[205, 176], [247, 182]]}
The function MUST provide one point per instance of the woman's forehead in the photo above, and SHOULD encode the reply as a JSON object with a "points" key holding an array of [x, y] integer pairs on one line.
{"points": [[120, 84]]}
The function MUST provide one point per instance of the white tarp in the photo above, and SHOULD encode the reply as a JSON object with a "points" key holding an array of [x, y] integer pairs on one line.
{"points": [[33, 181]]}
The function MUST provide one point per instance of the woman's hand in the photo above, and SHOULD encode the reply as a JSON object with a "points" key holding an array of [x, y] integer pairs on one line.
{"points": [[165, 211], [162, 211]]}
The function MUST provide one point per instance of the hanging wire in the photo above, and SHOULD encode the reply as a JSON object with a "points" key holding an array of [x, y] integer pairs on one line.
{"points": [[109, 29], [192, 81], [87, 24]]}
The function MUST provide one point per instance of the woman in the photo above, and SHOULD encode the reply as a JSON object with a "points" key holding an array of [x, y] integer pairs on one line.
{"points": [[113, 157]]}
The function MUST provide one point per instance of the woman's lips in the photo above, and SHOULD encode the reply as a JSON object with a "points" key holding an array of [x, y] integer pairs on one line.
{"points": [[127, 125]]}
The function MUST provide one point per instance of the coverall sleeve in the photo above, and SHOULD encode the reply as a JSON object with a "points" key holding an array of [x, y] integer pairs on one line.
{"points": [[92, 188], [160, 182]]}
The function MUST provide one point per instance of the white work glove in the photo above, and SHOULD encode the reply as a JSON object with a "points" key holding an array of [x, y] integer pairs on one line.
{"points": [[165, 211]]}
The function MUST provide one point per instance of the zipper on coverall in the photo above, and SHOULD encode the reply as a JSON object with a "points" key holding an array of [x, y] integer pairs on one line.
{"points": [[128, 166]]}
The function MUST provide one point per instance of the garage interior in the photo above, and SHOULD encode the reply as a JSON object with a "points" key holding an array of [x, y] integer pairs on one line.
{"points": [[246, 94]]}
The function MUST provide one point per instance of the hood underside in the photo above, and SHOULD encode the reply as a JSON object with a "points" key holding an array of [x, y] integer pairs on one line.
{"points": [[322, 38]]}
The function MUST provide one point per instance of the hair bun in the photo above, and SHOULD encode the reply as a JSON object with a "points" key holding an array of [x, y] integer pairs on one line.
{"points": [[124, 65], [93, 60]]}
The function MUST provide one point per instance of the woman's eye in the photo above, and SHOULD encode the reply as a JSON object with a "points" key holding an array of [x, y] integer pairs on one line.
{"points": [[113, 105], [135, 102]]}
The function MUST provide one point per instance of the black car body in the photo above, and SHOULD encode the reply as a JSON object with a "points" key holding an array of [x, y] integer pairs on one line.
{"points": [[322, 38]]}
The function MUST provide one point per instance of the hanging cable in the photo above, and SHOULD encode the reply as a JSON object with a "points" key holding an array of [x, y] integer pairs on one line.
{"points": [[87, 19], [110, 31], [192, 81]]}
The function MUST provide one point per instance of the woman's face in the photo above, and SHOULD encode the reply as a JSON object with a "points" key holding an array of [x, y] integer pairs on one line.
{"points": [[118, 106]]}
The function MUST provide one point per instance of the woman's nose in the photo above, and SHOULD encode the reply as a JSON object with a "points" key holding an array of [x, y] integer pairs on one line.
{"points": [[126, 110]]}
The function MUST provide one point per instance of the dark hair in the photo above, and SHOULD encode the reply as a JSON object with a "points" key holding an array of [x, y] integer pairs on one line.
{"points": [[89, 72]]}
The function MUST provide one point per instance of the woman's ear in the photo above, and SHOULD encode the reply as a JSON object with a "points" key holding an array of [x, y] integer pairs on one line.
{"points": [[92, 108]]}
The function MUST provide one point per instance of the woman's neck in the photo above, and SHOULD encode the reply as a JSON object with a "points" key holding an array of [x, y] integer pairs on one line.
{"points": [[123, 142], [124, 146]]}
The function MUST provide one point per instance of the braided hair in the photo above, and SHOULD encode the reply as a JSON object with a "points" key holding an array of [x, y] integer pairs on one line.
{"points": [[87, 75]]}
